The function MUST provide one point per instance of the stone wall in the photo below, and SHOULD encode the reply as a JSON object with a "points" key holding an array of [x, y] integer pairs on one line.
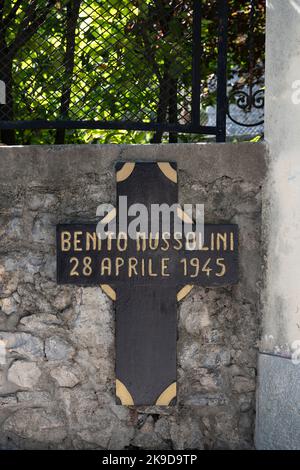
{"points": [[57, 342]]}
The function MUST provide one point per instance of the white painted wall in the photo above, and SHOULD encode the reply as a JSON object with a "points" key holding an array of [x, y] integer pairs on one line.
{"points": [[281, 298]]}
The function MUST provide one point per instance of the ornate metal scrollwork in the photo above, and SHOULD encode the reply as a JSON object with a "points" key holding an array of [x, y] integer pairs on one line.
{"points": [[247, 101], [247, 95]]}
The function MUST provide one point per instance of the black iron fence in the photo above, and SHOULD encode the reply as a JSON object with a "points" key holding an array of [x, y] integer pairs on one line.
{"points": [[148, 65]]}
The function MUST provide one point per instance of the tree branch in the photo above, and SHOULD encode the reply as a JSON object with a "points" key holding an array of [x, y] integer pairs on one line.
{"points": [[29, 26], [1, 13], [150, 54], [29, 14], [12, 14]]}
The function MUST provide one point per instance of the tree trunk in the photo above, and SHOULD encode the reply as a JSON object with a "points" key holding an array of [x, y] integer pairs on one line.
{"points": [[173, 136], [73, 8], [168, 85], [164, 91]]}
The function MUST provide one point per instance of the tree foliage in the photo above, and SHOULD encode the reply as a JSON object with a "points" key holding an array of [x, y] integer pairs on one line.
{"points": [[115, 60]]}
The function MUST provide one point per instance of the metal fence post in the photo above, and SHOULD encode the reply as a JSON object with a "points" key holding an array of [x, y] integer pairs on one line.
{"points": [[222, 71], [196, 64]]}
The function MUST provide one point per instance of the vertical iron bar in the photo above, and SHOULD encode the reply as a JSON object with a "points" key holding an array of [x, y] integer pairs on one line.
{"points": [[250, 44], [222, 71], [196, 62]]}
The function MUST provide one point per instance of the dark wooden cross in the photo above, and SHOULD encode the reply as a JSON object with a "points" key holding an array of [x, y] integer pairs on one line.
{"points": [[145, 278]]}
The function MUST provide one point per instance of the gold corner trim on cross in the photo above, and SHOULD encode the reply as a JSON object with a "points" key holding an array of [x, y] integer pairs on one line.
{"points": [[182, 293], [184, 216], [109, 291], [167, 395], [168, 171], [123, 394], [125, 171], [109, 217]]}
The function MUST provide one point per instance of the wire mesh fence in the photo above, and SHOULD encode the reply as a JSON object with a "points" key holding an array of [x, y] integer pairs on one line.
{"points": [[114, 64]]}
